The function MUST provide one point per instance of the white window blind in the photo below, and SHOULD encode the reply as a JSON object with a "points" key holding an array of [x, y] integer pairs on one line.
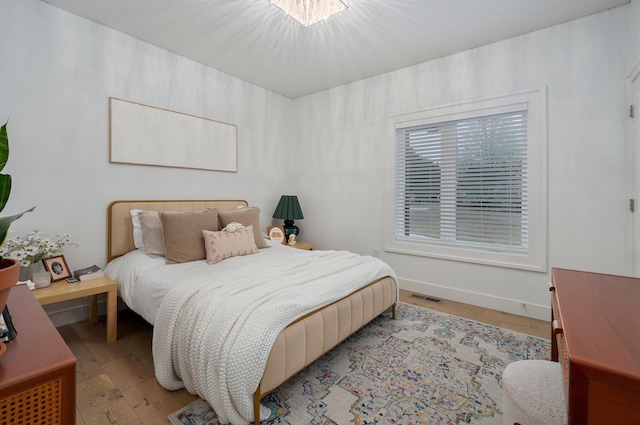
{"points": [[465, 183]]}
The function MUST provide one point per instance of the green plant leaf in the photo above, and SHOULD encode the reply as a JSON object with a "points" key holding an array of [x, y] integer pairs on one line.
{"points": [[5, 189], [5, 222], [5, 186], [4, 146]]}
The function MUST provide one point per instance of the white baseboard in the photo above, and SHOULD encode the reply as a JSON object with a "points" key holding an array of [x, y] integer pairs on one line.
{"points": [[534, 311]]}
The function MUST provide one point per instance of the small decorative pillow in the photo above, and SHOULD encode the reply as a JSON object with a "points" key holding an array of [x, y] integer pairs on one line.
{"points": [[151, 229], [249, 216], [182, 231], [222, 245]]}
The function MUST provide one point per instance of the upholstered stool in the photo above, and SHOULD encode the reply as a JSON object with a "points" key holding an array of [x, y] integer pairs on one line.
{"points": [[533, 393]]}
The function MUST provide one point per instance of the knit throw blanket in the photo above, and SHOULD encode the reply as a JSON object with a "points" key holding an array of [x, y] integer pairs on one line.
{"points": [[213, 335]]}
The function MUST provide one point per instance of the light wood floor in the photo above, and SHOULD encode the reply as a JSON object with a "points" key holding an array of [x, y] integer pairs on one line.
{"points": [[116, 383]]}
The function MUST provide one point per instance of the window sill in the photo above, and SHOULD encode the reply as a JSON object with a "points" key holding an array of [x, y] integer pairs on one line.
{"points": [[513, 261]]}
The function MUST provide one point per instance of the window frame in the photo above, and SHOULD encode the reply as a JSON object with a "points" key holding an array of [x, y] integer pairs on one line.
{"points": [[535, 259]]}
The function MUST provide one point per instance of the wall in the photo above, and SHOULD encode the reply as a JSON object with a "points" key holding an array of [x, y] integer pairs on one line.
{"points": [[582, 64], [634, 20], [633, 131], [58, 72]]}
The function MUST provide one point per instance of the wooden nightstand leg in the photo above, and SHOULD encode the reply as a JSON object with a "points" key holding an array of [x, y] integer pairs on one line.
{"points": [[112, 316], [93, 308]]}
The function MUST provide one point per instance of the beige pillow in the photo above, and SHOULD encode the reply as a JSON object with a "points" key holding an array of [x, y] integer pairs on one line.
{"points": [[249, 216], [151, 229], [182, 231], [221, 245]]}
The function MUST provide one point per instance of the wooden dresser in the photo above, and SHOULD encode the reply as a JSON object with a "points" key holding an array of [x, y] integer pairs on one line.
{"points": [[596, 338], [38, 371]]}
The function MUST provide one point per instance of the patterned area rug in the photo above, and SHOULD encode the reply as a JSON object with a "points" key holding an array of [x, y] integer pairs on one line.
{"points": [[424, 368]]}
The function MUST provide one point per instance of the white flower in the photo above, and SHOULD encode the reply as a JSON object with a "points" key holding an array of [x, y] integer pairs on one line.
{"points": [[31, 250], [19, 254], [34, 247]]}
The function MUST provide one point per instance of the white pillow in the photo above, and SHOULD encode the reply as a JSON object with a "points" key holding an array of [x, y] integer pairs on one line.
{"points": [[152, 235], [137, 230]]}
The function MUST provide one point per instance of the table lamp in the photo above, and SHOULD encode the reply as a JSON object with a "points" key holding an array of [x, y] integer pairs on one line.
{"points": [[288, 209]]}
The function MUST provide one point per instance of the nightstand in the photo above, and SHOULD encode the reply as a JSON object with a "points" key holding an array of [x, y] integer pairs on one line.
{"points": [[68, 291], [304, 245]]}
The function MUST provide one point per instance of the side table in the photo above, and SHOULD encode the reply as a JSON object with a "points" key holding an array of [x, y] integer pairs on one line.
{"points": [[304, 245], [68, 291]]}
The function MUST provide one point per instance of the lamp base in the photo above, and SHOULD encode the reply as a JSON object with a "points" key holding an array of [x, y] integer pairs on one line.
{"points": [[290, 229]]}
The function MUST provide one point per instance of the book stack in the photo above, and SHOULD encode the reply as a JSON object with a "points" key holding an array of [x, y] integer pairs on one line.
{"points": [[88, 273]]}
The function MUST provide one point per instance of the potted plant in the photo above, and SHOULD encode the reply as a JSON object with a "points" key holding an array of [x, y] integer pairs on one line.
{"points": [[9, 268]]}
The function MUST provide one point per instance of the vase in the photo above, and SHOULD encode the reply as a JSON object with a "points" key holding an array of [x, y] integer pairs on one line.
{"points": [[26, 273]]}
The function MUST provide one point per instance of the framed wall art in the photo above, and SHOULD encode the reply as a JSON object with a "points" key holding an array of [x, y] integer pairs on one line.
{"points": [[147, 135]]}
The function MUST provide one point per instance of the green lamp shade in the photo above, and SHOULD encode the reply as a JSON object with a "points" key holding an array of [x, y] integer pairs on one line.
{"points": [[288, 208]]}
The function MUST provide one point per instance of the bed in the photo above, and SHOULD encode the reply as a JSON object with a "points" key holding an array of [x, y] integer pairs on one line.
{"points": [[168, 297]]}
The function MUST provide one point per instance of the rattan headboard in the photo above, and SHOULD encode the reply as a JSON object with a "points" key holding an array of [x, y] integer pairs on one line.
{"points": [[120, 229]]}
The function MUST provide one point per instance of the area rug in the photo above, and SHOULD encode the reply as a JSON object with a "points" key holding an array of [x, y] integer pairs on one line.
{"points": [[424, 368]]}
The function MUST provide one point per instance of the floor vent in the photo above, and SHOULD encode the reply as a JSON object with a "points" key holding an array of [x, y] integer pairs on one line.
{"points": [[426, 298]]}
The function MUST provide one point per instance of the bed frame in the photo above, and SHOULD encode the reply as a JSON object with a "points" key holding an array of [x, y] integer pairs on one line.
{"points": [[300, 343]]}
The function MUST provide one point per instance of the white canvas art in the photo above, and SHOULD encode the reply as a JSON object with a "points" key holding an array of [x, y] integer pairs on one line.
{"points": [[142, 134]]}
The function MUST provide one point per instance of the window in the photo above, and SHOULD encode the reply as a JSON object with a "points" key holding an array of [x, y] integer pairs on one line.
{"points": [[464, 186], [464, 182]]}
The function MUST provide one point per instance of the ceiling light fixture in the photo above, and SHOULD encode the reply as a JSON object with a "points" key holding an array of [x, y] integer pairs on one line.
{"points": [[308, 12]]}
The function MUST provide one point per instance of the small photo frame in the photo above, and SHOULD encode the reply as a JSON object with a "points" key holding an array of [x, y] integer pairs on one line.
{"points": [[57, 267], [276, 234]]}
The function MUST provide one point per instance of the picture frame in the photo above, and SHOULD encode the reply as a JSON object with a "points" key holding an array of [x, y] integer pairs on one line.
{"points": [[57, 267], [276, 234]]}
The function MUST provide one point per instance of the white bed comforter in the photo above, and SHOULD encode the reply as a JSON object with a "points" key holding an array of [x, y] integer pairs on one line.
{"points": [[213, 336]]}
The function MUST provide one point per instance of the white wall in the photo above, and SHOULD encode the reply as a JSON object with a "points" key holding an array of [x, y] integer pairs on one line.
{"points": [[58, 72], [634, 25], [582, 64]]}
